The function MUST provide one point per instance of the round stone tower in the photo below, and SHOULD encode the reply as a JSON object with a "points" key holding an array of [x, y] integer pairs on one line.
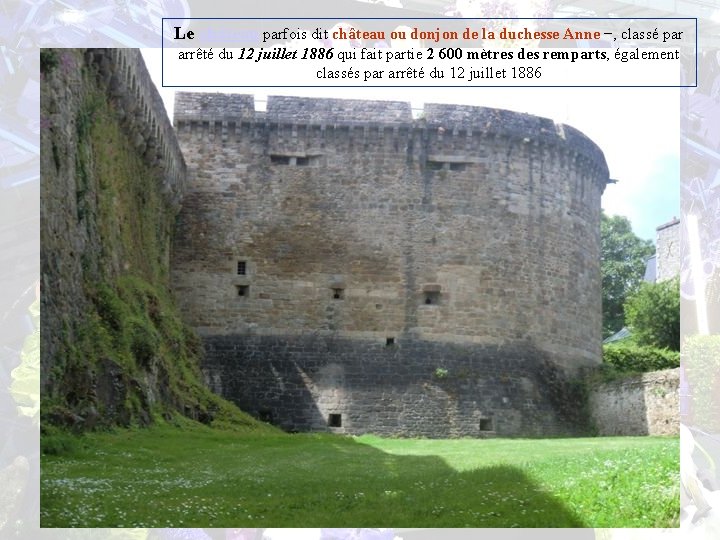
{"points": [[352, 269]]}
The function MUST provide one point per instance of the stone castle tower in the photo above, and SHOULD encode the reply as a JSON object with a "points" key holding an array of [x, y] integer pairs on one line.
{"points": [[352, 269], [667, 250]]}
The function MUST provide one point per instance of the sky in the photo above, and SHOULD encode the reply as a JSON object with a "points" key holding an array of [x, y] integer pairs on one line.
{"points": [[637, 129]]}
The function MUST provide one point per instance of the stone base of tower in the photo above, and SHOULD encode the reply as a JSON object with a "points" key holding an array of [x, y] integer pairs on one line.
{"points": [[400, 387]]}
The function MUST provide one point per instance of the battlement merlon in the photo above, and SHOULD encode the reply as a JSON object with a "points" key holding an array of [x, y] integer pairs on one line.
{"points": [[453, 120]]}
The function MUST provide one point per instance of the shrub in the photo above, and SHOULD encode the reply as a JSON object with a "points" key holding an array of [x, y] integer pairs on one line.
{"points": [[653, 314], [630, 357]]}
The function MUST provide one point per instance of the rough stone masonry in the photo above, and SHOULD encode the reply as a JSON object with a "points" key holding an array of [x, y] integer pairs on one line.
{"points": [[353, 269]]}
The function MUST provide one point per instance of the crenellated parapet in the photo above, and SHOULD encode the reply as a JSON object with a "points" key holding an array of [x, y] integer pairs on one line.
{"points": [[330, 111], [213, 106], [464, 120], [455, 125], [143, 114]]}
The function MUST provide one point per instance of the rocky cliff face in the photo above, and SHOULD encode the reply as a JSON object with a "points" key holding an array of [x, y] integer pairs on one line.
{"points": [[113, 348]]}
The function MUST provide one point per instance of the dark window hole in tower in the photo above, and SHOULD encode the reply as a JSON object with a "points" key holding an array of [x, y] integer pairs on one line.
{"points": [[241, 268], [486, 424], [389, 342], [302, 161], [431, 298], [265, 415], [243, 290], [457, 166], [435, 165], [335, 420], [338, 294], [280, 160]]}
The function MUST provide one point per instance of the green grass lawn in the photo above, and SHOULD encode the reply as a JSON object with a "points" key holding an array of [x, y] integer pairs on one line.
{"points": [[198, 477]]}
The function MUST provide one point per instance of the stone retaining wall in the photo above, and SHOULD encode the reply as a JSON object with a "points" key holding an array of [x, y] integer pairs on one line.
{"points": [[646, 404]]}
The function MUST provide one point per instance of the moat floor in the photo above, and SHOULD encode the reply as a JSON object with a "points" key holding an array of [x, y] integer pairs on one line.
{"points": [[199, 477]]}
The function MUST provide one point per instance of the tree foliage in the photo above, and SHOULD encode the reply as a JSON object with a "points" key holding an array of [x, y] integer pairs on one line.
{"points": [[653, 314], [623, 265]]}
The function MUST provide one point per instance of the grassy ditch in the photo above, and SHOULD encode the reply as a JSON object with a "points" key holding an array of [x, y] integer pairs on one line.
{"points": [[193, 476]]}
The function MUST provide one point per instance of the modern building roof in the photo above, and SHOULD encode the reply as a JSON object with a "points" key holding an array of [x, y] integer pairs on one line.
{"points": [[617, 336]]}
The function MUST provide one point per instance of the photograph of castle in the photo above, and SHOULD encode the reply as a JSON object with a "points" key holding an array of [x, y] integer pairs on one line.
{"points": [[323, 312]]}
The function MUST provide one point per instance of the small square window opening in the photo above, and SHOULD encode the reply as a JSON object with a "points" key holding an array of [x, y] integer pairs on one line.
{"points": [[280, 160], [243, 290], [241, 268], [335, 420], [338, 294], [486, 424]]}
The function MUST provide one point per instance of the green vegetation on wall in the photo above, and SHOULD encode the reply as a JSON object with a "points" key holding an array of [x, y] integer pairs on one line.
{"points": [[128, 360]]}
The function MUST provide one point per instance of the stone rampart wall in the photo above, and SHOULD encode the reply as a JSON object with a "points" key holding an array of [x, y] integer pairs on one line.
{"points": [[668, 250], [143, 114], [646, 404], [89, 97]]}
